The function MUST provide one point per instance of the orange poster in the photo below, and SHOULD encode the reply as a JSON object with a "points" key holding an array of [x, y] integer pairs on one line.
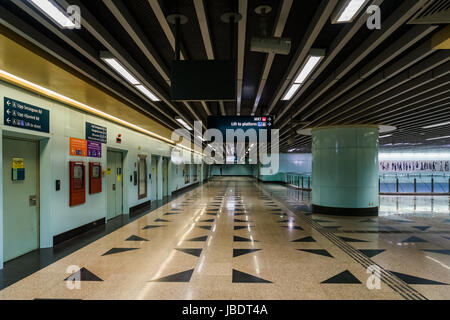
{"points": [[78, 147]]}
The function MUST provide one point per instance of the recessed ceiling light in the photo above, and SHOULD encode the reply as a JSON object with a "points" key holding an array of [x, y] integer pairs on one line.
{"points": [[437, 125], [292, 90], [311, 62], [385, 136], [117, 66], [54, 12], [438, 138], [183, 123], [147, 92], [348, 11]]}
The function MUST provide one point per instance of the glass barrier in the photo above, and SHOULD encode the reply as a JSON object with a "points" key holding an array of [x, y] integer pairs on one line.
{"points": [[389, 183], [298, 180], [422, 183]]}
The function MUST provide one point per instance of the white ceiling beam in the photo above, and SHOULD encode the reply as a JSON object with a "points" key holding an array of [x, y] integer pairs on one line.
{"points": [[242, 30]]}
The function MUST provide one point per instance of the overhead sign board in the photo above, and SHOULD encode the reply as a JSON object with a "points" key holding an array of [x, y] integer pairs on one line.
{"points": [[96, 133], [26, 116]]}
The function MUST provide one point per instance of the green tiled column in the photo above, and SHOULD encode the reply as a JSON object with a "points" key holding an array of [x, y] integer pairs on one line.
{"points": [[345, 170]]}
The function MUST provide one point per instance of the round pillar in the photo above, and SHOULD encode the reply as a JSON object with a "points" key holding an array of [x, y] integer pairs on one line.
{"points": [[345, 170]]}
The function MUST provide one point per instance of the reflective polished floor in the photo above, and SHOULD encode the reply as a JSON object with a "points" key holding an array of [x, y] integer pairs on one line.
{"points": [[234, 238]]}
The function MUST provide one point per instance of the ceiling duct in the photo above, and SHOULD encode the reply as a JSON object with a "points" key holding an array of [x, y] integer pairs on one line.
{"points": [[265, 43]]}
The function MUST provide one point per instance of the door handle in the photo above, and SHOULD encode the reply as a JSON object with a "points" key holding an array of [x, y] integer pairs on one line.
{"points": [[32, 201]]}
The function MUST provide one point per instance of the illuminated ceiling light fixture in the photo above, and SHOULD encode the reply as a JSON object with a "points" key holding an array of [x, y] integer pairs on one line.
{"points": [[147, 92], [348, 11], [438, 138], [292, 90], [311, 63], [54, 12], [436, 125], [110, 60], [385, 136], [183, 123]]}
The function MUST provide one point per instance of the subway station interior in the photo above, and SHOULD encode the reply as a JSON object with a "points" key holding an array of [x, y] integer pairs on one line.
{"points": [[225, 150]]}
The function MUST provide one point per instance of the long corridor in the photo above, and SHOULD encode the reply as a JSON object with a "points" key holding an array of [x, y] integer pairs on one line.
{"points": [[236, 238]]}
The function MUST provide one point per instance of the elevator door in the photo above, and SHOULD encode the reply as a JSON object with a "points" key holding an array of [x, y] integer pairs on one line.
{"points": [[155, 182], [165, 177], [114, 180], [20, 197]]}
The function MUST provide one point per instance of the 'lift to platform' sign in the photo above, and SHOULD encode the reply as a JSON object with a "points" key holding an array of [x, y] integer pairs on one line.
{"points": [[23, 115]]}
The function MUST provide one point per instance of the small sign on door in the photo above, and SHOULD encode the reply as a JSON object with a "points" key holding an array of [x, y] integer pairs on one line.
{"points": [[18, 170]]}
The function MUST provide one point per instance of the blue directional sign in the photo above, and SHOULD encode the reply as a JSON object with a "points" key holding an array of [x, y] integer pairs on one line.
{"points": [[23, 115], [96, 133]]}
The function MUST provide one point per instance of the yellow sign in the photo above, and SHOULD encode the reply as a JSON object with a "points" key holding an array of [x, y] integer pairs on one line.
{"points": [[108, 172], [118, 178], [17, 163]]}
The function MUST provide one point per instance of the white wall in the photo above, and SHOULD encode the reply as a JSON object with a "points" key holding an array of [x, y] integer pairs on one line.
{"points": [[65, 122]]}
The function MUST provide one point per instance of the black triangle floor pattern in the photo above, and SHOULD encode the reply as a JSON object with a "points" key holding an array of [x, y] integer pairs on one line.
{"points": [[171, 213], [199, 239], [293, 227], [345, 277], [242, 277], [135, 238], [241, 239], [242, 227], [118, 250], [239, 220], [205, 227], [447, 252], [83, 275], [241, 252], [151, 227], [415, 280], [371, 252], [194, 252], [184, 276], [305, 239], [414, 240], [422, 228], [352, 240], [161, 220], [320, 252], [207, 220]]}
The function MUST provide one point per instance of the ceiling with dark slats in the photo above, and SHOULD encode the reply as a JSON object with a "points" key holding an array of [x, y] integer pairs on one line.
{"points": [[391, 76]]}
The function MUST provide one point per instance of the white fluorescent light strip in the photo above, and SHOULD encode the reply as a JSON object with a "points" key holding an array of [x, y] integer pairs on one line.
{"points": [[113, 63], [291, 92], [184, 124], [436, 125], [147, 92], [385, 136], [201, 138], [308, 68], [54, 12], [350, 10], [438, 138], [55, 95], [122, 71]]}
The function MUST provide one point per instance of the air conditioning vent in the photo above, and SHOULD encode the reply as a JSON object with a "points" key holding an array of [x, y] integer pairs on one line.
{"points": [[435, 12]]}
